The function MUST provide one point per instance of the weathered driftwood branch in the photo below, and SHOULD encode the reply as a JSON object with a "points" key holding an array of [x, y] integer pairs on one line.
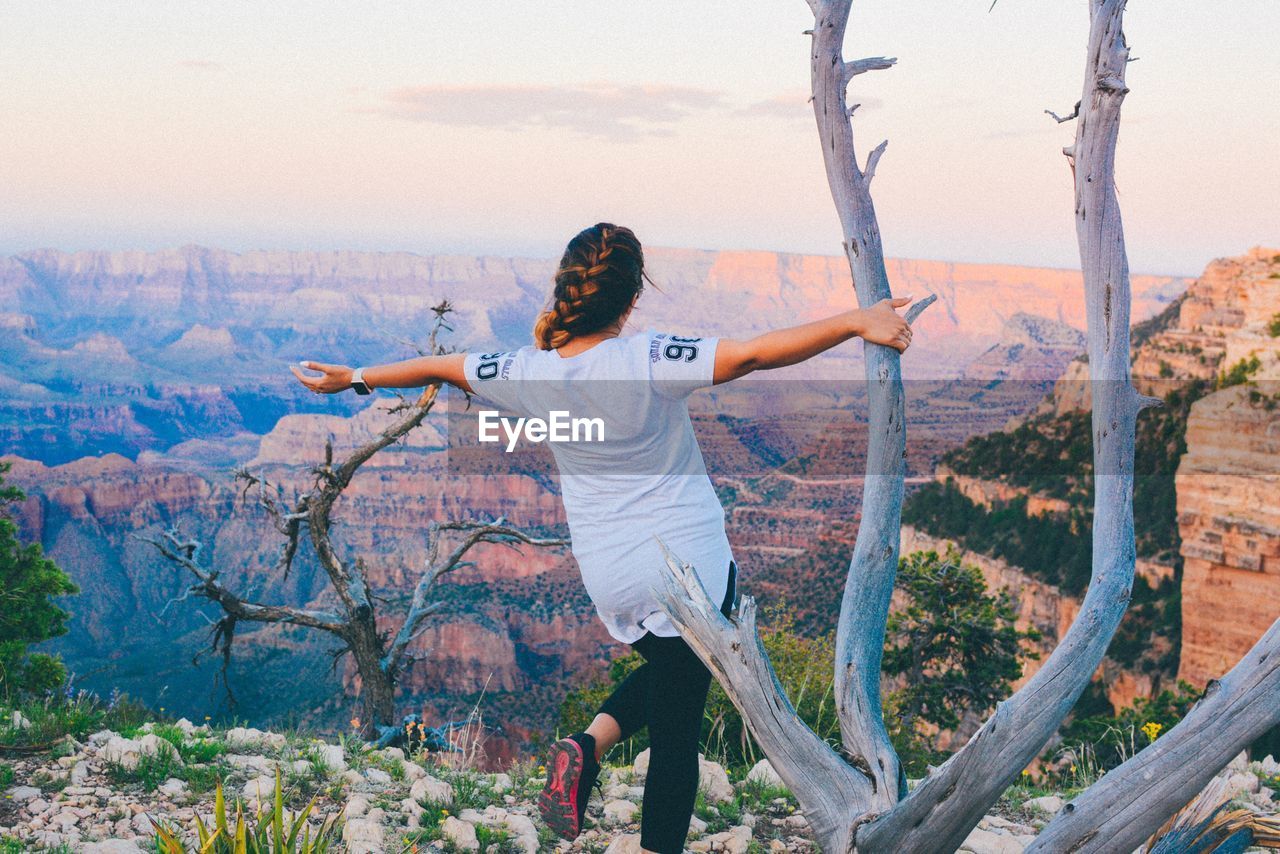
{"points": [[946, 806], [1132, 801], [865, 606], [824, 784], [866, 814]]}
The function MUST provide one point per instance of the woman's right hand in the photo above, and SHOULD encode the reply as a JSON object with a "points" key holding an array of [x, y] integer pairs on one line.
{"points": [[881, 324], [333, 379]]}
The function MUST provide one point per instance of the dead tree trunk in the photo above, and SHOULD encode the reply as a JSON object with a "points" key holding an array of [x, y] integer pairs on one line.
{"points": [[379, 660], [857, 806]]}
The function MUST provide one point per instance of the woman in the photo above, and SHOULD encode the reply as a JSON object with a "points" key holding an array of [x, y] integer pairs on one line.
{"points": [[645, 476]]}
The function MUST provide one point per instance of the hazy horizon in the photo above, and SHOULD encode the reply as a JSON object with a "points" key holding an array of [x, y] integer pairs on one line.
{"points": [[410, 127]]}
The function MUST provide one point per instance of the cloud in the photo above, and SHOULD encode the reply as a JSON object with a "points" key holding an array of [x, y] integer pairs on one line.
{"points": [[793, 104], [612, 111]]}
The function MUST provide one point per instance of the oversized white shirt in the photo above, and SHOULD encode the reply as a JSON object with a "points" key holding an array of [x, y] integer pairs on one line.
{"points": [[645, 477]]}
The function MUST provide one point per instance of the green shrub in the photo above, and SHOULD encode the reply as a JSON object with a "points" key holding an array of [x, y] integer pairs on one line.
{"points": [[1111, 739], [954, 645], [29, 582]]}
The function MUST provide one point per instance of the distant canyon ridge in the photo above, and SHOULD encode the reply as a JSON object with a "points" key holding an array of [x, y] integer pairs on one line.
{"points": [[134, 381]]}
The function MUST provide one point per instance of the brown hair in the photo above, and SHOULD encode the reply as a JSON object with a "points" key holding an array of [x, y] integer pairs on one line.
{"points": [[601, 272]]}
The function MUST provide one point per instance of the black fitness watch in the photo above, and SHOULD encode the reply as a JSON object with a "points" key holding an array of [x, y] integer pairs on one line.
{"points": [[358, 383]]}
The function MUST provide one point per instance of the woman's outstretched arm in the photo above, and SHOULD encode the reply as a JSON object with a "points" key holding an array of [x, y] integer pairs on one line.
{"points": [[879, 324], [410, 373]]}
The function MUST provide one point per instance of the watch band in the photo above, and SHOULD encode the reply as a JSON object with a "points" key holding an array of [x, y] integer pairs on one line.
{"points": [[357, 382]]}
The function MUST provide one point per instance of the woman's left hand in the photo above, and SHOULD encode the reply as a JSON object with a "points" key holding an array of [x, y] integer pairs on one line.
{"points": [[335, 378]]}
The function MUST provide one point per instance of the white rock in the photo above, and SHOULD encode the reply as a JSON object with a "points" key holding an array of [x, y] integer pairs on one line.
{"points": [[332, 756], [124, 752], [142, 824], [356, 807], [524, 830], [762, 772], [154, 745], [501, 782], [242, 738], [735, 840], [1052, 804], [260, 788], [248, 762], [981, 841], [412, 810], [22, 794], [1242, 783], [101, 737], [619, 812], [627, 843], [413, 771], [1269, 766], [112, 846], [429, 789], [641, 764], [173, 787], [79, 772], [362, 836], [715, 781], [462, 833], [20, 720], [377, 776], [697, 826], [186, 726], [393, 753]]}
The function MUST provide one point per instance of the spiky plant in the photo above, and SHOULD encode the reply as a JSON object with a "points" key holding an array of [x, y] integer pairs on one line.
{"points": [[271, 833]]}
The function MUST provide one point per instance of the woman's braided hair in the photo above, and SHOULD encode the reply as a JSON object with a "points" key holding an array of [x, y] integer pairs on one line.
{"points": [[601, 273]]}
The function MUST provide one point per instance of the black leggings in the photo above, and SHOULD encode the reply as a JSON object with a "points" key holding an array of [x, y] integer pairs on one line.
{"points": [[669, 694]]}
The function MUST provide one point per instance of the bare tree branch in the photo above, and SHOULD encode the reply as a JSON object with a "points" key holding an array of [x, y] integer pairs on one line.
{"points": [[826, 786], [476, 532], [1132, 801], [1075, 113], [946, 806], [185, 553]]}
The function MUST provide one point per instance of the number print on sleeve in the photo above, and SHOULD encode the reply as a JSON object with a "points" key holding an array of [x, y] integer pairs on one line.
{"points": [[681, 349], [488, 367]]}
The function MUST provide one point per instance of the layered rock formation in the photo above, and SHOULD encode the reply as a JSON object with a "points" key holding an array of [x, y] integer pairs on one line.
{"points": [[1229, 518], [119, 351]]}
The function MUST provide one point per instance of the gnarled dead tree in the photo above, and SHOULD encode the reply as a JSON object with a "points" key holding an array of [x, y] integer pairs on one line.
{"points": [[858, 801], [379, 656]]}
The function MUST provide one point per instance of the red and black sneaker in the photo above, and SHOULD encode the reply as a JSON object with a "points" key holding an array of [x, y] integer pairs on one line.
{"points": [[571, 772]]}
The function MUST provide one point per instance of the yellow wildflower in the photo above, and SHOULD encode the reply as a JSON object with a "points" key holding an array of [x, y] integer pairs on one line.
{"points": [[1152, 729]]}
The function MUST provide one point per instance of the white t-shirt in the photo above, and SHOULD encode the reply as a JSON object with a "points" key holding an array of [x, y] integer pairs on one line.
{"points": [[645, 477]]}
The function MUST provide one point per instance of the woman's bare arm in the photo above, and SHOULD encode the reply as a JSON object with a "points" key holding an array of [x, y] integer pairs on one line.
{"points": [[410, 373], [879, 324]]}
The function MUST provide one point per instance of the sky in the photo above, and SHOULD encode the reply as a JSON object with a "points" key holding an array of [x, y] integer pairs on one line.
{"points": [[472, 128]]}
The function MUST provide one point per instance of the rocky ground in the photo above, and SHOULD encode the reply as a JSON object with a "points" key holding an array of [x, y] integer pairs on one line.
{"points": [[107, 794]]}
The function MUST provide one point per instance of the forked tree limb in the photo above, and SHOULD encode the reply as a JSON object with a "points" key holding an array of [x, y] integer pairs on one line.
{"points": [[864, 608], [826, 786], [496, 531], [949, 803], [348, 581], [184, 552], [1133, 800]]}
